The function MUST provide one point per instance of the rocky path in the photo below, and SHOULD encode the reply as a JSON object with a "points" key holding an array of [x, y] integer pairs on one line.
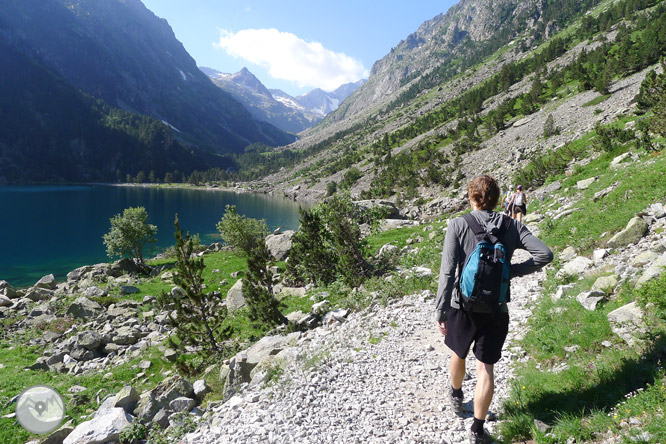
{"points": [[381, 376]]}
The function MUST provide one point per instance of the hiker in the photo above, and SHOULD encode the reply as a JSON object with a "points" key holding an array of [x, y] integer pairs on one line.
{"points": [[508, 196], [519, 204], [485, 324]]}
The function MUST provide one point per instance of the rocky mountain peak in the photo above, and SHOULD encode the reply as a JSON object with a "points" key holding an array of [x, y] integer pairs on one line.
{"points": [[443, 37], [245, 78]]}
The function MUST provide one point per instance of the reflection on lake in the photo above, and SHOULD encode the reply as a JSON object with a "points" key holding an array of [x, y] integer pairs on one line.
{"points": [[55, 229]]}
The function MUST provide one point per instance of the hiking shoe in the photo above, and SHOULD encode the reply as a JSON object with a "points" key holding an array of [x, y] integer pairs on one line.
{"points": [[480, 438], [455, 403]]}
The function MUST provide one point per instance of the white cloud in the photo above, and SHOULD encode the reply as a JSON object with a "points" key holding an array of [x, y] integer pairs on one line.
{"points": [[287, 57]]}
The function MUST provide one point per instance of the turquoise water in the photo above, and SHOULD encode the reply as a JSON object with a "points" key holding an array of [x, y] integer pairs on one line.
{"points": [[55, 229]]}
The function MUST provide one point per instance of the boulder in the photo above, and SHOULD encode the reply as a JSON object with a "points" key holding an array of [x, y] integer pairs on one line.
{"points": [[59, 435], [237, 372], [235, 299], [547, 190], [567, 254], [657, 210], [296, 292], [617, 162], [47, 282], [600, 254], [653, 271], [124, 266], [37, 294], [182, 404], [150, 403], [627, 322], [128, 289], [83, 354], [94, 292], [7, 290], [83, 308], [280, 244], [100, 430], [586, 183], [590, 299], [268, 346], [127, 336], [577, 266], [389, 207], [523, 121], [90, 340], [605, 284], [201, 389], [643, 259], [161, 419], [5, 301], [170, 354], [633, 232], [127, 399]]}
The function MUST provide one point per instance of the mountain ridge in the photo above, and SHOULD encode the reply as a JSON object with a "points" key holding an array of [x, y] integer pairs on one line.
{"points": [[293, 114], [121, 53]]}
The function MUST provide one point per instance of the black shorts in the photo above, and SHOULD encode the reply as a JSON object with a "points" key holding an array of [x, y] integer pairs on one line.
{"points": [[487, 332]]}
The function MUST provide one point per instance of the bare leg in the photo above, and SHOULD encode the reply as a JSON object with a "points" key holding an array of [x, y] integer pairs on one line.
{"points": [[457, 366], [485, 388]]}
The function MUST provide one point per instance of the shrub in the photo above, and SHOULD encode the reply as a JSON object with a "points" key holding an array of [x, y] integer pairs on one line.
{"points": [[243, 234], [330, 244], [651, 296], [549, 128], [130, 233], [331, 188]]}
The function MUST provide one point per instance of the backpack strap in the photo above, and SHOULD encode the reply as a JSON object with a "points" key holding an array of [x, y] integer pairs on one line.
{"points": [[481, 233], [478, 230]]}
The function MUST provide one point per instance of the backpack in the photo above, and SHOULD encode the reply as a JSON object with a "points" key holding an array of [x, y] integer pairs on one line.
{"points": [[507, 198], [483, 283], [519, 199]]}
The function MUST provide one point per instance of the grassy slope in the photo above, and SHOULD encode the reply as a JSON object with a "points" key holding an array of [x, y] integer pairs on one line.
{"points": [[605, 384]]}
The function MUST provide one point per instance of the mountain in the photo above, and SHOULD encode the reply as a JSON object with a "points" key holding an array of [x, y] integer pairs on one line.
{"points": [[322, 102], [119, 52], [259, 101], [277, 107], [491, 86], [52, 132]]}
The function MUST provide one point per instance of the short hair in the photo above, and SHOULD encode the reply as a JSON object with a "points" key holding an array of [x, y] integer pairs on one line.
{"points": [[484, 191]]}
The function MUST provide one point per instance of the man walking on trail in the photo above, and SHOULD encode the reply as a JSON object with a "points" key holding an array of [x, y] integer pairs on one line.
{"points": [[485, 325]]}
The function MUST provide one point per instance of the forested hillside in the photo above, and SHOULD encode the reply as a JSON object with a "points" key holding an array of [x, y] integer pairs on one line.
{"points": [[68, 65], [419, 140]]}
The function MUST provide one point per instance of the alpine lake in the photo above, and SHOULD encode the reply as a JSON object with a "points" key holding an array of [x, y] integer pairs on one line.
{"points": [[55, 229]]}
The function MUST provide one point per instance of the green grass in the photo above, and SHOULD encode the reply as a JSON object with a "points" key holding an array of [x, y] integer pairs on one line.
{"points": [[597, 100], [639, 185], [605, 386], [14, 380]]}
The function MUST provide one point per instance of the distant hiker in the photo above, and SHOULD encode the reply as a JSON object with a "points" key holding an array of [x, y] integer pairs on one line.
{"points": [[482, 318], [508, 196], [519, 204]]}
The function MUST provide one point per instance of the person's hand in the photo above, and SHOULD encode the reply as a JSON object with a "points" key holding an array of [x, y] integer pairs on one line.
{"points": [[443, 327]]}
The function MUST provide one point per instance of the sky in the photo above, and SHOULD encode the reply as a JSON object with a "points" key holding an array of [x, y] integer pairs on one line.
{"points": [[295, 45]]}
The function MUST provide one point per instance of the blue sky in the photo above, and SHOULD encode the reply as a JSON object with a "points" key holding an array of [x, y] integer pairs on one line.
{"points": [[294, 45]]}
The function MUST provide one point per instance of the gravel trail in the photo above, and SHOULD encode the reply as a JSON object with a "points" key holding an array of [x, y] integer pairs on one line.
{"points": [[379, 377]]}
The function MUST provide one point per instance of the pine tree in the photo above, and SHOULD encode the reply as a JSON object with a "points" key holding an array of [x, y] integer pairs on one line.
{"points": [[311, 259], [264, 308], [198, 318]]}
